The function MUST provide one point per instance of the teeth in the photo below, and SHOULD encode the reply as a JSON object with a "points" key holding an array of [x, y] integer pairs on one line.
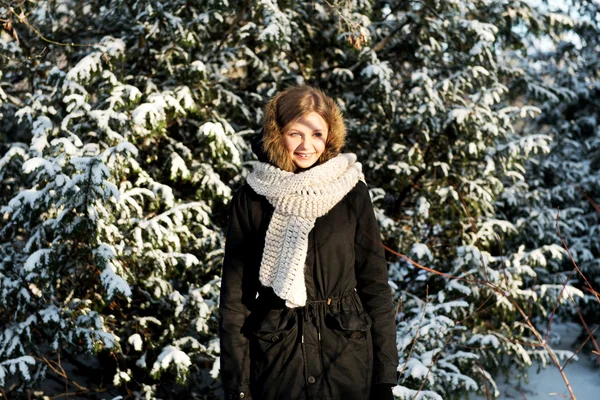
{"points": [[302, 155]]}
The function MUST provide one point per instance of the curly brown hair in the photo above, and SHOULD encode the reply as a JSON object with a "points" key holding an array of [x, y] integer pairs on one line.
{"points": [[285, 108]]}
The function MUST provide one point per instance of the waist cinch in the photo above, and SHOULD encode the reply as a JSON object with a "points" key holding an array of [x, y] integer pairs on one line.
{"points": [[313, 308]]}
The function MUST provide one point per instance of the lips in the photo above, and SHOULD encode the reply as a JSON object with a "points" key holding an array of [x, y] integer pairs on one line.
{"points": [[304, 155]]}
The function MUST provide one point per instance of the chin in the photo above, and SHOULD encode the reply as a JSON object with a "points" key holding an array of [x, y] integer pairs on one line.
{"points": [[303, 164]]}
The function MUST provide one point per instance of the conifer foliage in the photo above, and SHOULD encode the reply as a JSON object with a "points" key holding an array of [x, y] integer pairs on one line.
{"points": [[125, 128], [559, 200], [116, 168]]}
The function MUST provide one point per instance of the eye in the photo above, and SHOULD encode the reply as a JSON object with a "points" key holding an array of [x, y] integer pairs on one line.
{"points": [[294, 134], [318, 134]]}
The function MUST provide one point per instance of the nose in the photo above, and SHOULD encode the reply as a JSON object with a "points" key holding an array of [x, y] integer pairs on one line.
{"points": [[306, 142]]}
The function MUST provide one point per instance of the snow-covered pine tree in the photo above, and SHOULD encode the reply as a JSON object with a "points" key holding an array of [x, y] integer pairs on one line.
{"points": [[119, 152], [564, 182], [436, 112], [119, 157]]}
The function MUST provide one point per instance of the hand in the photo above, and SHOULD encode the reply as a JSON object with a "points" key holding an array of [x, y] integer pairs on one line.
{"points": [[381, 391]]}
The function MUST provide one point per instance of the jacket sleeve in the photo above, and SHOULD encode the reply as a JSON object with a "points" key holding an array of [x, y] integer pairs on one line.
{"points": [[374, 290], [238, 291]]}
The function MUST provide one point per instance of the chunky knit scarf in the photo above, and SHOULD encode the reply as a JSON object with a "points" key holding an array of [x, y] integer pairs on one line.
{"points": [[299, 199]]}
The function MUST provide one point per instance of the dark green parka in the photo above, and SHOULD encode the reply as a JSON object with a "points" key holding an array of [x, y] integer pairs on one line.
{"points": [[335, 347]]}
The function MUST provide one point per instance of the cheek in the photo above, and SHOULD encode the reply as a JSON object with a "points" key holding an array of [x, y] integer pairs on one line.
{"points": [[320, 146], [289, 144]]}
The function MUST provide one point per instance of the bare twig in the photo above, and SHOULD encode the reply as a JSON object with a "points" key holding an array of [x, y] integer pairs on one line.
{"points": [[474, 227], [587, 328], [557, 303], [487, 389], [541, 341], [383, 42], [437, 356], [590, 336], [589, 199], [398, 308], [521, 392], [355, 39], [39, 55], [237, 20], [414, 341], [23, 19], [61, 372], [573, 260]]}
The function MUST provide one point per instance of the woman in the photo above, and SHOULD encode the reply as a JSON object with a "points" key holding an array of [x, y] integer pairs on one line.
{"points": [[306, 310]]}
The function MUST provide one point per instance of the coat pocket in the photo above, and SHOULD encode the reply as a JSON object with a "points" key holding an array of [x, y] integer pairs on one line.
{"points": [[271, 340], [267, 339], [353, 325], [274, 328], [348, 353]]}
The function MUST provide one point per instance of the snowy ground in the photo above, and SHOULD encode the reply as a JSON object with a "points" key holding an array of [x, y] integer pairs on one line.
{"points": [[548, 383]]}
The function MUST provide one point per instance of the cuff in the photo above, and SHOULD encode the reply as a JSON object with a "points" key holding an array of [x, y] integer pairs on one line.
{"points": [[386, 373]]}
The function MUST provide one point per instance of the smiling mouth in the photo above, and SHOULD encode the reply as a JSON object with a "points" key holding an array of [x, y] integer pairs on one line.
{"points": [[304, 155]]}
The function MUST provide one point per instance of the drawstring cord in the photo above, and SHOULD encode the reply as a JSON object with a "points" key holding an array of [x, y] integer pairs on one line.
{"points": [[312, 308], [312, 311]]}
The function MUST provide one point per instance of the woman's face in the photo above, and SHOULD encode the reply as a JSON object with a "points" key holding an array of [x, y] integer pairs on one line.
{"points": [[305, 140]]}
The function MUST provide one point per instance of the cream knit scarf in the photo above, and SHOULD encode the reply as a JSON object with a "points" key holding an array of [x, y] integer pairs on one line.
{"points": [[299, 199]]}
